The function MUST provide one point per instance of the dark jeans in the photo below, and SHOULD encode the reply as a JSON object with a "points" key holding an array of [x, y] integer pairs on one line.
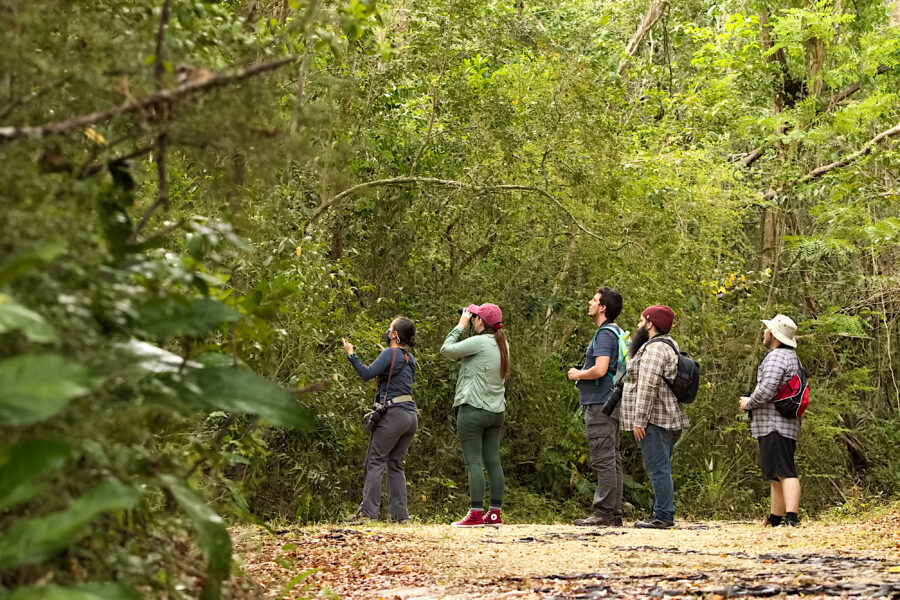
{"points": [[603, 442], [387, 449], [479, 435], [656, 448]]}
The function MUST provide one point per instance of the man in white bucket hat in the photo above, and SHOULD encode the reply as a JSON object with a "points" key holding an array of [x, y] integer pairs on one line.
{"points": [[776, 434]]}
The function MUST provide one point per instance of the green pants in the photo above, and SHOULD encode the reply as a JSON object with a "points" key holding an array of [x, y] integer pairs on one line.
{"points": [[479, 434]]}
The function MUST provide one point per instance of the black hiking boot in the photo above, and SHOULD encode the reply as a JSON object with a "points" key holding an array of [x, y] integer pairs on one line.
{"points": [[654, 523]]}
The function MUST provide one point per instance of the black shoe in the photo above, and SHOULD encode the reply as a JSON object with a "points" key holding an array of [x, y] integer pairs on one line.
{"points": [[654, 523], [791, 522], [773, 520]]}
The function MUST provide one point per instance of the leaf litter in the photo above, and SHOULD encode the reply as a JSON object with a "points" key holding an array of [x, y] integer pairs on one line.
{"points": [[712, 560]]}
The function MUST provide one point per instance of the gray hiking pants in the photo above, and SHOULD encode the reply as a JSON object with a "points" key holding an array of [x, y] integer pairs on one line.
{"points": [[603, 442], [387, 450]]}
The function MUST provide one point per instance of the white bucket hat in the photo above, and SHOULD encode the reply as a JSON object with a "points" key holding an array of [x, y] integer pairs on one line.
{"points": [[783, 328]]}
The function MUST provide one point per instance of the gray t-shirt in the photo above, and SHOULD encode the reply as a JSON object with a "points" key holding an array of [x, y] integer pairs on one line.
{"points": [[604, 343]]}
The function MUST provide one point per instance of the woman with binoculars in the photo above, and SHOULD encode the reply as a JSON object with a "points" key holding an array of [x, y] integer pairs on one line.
{"points": [[480, 402], [395, 421]]}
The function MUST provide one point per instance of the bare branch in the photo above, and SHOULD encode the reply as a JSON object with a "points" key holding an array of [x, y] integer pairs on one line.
{"points": [[657, 7], [752, 156], [842, 162], [162, 196], [308, 45], [159, 68], [444, 183], [185, 90], [851, 89]]}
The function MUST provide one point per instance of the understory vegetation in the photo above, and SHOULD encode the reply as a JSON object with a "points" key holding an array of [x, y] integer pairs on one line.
{"points": [[199, 199]]}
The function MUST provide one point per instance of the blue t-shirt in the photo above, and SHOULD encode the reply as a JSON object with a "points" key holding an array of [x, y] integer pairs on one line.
{"points": [[401, 378], [604, 343]]}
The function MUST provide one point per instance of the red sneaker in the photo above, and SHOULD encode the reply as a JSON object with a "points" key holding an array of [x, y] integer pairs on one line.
{"points": [[472, 519], [492, 518]]}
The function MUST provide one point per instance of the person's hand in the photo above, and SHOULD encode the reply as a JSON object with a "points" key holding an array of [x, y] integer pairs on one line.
{"points": [[573, 373], [464, 319], [639, 433], [743, 400], [348, 347]]}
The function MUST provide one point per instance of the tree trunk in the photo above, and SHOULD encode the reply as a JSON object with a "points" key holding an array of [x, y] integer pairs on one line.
{"points": [[771, 222], [657, 7], [815, 60], [765, 42]]}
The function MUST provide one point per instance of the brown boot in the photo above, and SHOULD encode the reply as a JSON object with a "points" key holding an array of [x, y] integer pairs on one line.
{"points": [[598, 521]]}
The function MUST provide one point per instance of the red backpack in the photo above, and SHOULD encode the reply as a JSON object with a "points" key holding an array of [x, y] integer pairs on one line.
{"points": [[793, 397]]}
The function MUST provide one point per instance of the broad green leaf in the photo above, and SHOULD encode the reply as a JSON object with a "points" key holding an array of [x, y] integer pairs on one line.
{"points": [[22, 463], [22, 261], [212, 536], [163, 317], [101, 591], [14, 316], [34, 387], [239, 390], [31, 541]]}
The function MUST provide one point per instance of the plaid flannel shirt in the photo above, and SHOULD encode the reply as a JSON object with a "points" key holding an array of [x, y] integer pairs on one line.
{"points": [[776, 369], [646, 398]]}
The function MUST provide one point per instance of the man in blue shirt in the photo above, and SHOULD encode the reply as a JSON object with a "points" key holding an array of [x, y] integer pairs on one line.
{"points": [[595, 383]]}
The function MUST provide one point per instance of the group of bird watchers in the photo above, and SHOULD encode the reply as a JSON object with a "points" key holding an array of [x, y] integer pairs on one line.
{"points": [[622, 386]]}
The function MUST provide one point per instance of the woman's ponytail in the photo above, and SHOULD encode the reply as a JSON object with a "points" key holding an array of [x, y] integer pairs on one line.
{"points": [[500, 338]]}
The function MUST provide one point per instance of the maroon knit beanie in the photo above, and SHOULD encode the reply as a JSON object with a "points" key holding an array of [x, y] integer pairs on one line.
{"points": [[661, 316]]}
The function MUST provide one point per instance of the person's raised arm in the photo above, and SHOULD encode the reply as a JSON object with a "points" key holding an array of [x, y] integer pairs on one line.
{"points": [[453, 348], [381, 365]]}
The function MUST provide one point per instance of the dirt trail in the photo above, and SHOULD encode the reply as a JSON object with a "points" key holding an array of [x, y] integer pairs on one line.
{"points": [[711, 559]]}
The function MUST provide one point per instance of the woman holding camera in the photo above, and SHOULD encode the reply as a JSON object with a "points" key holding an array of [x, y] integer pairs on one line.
{"points": [[480, 402], [394, 430]]}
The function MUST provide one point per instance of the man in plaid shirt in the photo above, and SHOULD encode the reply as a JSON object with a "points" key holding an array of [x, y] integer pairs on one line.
{"points": [[650, 410], [776, 434]]}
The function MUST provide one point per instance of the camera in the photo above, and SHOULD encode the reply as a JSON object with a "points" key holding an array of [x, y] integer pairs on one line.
{"points": [[615, 398], [462, 309]]}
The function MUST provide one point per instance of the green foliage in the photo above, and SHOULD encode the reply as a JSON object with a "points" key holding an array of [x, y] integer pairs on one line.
{"points": [[31, 541], [108, 591], [161, 338], [212, 536], [22, 463], [15, 317], [242, 391], [29, 392]]}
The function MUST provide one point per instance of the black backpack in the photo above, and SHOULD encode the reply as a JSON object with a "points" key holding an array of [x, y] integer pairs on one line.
{"points": [[687, 377]]}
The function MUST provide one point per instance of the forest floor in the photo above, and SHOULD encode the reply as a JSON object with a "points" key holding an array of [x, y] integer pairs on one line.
{"points": [[714, 559]]}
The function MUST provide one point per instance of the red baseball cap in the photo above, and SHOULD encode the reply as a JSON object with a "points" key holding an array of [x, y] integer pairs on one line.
{"points": [[489, 313]]}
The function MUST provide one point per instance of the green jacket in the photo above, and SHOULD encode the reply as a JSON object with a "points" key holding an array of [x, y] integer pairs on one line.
{"points": [[479, 384]]}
